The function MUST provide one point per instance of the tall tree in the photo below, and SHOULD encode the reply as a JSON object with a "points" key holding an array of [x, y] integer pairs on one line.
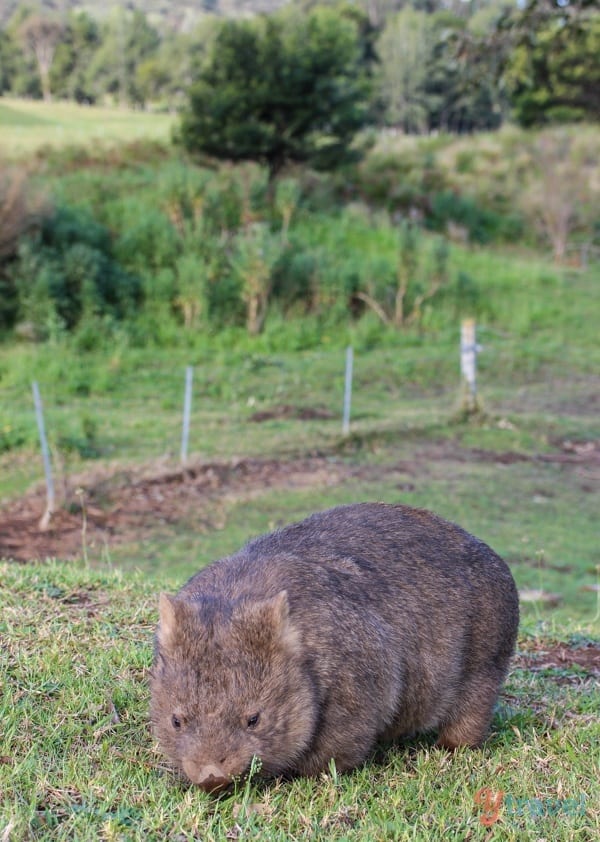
{"points": [[283, 88], [552, 71], [404, 49], [73, 56], [127, 41], [40, 36]]}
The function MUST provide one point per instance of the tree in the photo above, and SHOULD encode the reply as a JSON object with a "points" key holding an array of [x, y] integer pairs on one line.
{"points": [[552, 71], [128, 40], [460, 87], [40, 36], [7, 62], [277, 89], [73, 56], [404, 48], [564, 191]]}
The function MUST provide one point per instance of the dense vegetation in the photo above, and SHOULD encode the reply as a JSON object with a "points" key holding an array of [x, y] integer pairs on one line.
{"points": [[438, 64], [171, 250]]}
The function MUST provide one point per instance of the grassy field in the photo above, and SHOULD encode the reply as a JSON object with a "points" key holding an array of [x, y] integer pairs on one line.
{"points": [[27, 126], [77, 759]]}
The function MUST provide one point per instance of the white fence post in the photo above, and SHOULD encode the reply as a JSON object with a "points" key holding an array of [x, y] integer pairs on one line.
{"points": [[39, 414], [348, 390], [187, 409], [468, 360]]}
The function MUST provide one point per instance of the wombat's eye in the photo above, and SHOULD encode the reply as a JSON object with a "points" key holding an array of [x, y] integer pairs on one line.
{"points": [[175, 721], [253, 720]]}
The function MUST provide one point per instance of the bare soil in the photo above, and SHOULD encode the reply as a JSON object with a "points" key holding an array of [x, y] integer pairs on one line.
{"points": [[544, 655], [116, 505]]}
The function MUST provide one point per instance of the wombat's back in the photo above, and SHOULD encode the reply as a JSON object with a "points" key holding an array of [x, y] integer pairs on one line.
{"points": [[371, 553]]}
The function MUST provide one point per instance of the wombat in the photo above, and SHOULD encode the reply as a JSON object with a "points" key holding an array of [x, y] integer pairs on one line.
{"points": [[359, 624]]}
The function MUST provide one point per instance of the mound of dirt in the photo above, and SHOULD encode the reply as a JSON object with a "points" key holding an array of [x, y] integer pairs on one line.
{"points": [[115, 507]]}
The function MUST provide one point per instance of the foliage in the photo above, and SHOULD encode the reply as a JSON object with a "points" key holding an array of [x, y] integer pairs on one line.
{"points": [[418, 279], [19, 211], [433, 64], [256, 250], [66, 272], [552, 71], [286, 88]]}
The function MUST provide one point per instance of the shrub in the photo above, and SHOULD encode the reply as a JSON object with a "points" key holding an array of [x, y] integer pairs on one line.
{"points": [[67, 270]]}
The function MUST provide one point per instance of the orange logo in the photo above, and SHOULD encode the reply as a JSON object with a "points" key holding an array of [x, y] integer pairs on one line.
{"points": [[491, 801]]}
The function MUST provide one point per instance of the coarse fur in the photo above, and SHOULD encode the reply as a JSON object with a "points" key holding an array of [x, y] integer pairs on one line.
{"points": [[362, 623]]}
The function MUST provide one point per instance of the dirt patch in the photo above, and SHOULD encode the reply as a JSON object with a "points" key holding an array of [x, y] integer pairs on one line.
{"points": [[561, 656], [116, 505], [123, 506], [300, 413]]}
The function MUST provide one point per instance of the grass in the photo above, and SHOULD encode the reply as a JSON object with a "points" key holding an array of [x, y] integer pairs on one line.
{"points": [[27, 126], [78, 761]]}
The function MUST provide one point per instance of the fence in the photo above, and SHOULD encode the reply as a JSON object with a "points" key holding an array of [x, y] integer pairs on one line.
{"points": [[468, 351]]}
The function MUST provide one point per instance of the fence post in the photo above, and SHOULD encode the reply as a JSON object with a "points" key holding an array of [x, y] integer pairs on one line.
{"points": [[187, 409], [348, 390], [39, 414], [468, 362]]}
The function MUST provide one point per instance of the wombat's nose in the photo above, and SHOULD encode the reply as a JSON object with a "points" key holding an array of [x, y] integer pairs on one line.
{"points": [[210, 778]]}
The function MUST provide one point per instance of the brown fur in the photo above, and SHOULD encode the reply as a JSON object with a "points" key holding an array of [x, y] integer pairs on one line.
{"points": [[364, 622]]}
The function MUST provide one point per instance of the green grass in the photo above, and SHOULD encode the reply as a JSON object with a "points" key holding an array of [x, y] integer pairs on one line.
{"points": [[78, 760], [26, 126]]}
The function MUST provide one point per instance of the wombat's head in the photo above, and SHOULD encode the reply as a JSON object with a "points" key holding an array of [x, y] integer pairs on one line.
{"points": [[228, 684]]}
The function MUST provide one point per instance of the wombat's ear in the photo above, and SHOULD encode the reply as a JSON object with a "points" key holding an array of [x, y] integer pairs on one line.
{"points": [[168, 619], [288, 635], [269, 620]]}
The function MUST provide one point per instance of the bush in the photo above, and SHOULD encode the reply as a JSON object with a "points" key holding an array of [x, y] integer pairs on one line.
{"points": [[483, 225], [66, 270]]}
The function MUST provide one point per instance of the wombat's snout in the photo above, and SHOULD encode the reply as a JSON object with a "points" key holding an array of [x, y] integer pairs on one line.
{"points": [[210, 778]]}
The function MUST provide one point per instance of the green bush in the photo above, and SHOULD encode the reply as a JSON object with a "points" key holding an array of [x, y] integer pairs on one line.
{"points": [[483, 225], [66, 271]]}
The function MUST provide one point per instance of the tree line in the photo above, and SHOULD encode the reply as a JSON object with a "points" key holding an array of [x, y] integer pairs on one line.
{"points": [[419, 65]]}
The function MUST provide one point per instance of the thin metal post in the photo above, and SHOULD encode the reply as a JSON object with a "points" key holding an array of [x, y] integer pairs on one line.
{"points": [[468, 360], [348, 390], [39, 414], [187, 409]]}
